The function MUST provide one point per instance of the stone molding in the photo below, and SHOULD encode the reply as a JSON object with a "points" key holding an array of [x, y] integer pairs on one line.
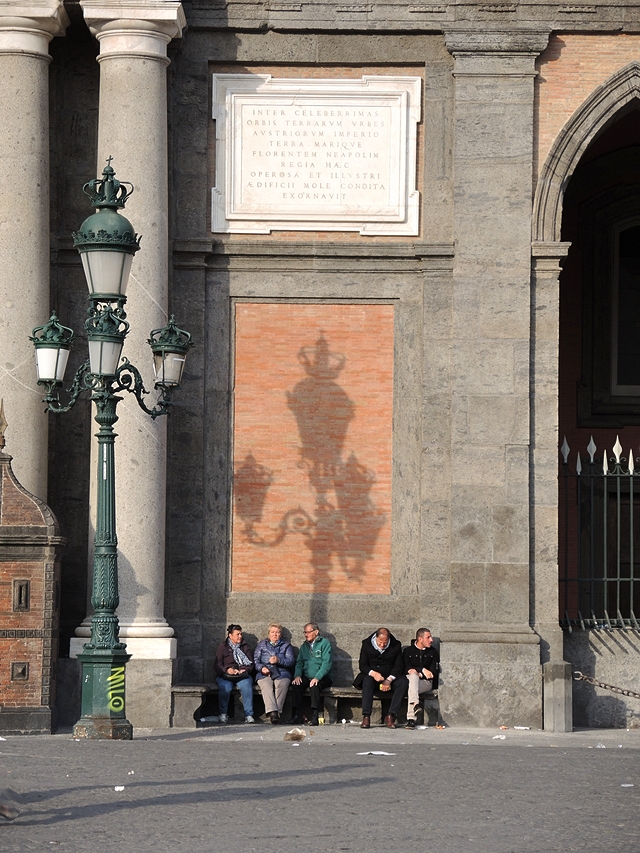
{"points": [[549, 250], [137, 30], [502, 42], [548, 257], [315, 249], [490, 634], [329, 257], [593, 114], [27, 28], [143, 648]]}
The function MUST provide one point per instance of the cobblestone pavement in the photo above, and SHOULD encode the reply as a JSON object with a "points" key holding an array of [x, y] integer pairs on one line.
{"points": [[241, 788]]}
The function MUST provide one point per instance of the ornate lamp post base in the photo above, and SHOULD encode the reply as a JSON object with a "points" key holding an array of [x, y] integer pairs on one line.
{"points": [[103, 686]]}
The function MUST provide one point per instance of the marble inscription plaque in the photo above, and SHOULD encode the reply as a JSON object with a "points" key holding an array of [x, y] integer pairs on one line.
{"points": [[315, 155]]}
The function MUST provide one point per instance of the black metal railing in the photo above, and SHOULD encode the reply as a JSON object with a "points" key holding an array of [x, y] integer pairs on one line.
{"points": [[599, 540]]}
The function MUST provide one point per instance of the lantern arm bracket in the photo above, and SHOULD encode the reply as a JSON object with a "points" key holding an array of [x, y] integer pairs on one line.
{"points": [[128, 378], [83, 380]]}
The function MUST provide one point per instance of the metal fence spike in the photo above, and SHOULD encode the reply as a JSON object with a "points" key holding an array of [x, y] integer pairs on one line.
{"points": [[605, 464], [631, 468], [617, 449], [565, 450], [591, 449], [578, 465]]}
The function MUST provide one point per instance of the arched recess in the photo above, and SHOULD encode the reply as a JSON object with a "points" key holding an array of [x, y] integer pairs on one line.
{"points": [[601, 107]]}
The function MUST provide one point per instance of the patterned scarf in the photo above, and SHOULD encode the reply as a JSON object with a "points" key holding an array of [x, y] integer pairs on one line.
{"points": [[238, 655]]}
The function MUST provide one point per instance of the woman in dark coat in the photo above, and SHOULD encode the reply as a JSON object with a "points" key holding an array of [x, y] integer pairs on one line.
{"points": [[234, 667]]}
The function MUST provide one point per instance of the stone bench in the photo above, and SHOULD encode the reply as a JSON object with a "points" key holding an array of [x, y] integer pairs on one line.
{"points": [[351, 695], [187, 699]]}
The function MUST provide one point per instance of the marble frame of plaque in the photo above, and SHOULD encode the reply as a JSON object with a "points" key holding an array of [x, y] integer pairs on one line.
{"points": [[316, 154]]}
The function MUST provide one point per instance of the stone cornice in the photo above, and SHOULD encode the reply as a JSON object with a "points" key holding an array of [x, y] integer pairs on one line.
{"points": [[415, 16]]}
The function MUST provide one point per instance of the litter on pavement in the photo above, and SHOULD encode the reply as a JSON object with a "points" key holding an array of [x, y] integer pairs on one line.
{"points": [[295, 734], [376, 752]]}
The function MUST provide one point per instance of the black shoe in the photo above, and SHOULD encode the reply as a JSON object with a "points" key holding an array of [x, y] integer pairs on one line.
{"points": [[274, 716], [313, 721], [411, 724], [296, 720]]}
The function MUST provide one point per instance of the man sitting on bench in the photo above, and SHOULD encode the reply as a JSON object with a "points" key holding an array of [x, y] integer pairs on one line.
{"points": [[381, 671], [421, 664], [313, 668]]}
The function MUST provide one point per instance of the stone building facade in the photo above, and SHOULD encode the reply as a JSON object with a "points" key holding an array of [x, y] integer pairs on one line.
{"points": [[368, 432]]}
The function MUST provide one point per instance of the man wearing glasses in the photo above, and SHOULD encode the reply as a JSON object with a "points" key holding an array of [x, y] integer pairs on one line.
{"points": [[313, 669]]}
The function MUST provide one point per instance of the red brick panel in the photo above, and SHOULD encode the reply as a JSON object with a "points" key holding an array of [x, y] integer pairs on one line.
{"points": [[570, 68], [19, 693], [313, 407], [33, 572]]}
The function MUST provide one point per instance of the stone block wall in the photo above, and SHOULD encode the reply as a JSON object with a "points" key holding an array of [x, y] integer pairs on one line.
{"points": [[468, 489], [612, 658]]}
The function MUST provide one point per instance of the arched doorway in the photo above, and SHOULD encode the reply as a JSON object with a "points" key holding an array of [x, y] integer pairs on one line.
{"points": [[599, 380]]}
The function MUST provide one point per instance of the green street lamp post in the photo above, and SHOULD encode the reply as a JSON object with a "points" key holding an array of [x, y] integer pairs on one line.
{"points": [[107, 243]]}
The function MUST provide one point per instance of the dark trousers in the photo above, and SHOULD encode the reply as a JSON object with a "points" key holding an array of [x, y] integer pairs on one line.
{"points": [[370, 686], [297, 692]]}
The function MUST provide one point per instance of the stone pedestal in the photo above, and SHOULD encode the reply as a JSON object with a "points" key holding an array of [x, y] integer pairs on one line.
{"points": [[149, 676], [558, 697], [491, 678], [132, 128], [25, 33]]}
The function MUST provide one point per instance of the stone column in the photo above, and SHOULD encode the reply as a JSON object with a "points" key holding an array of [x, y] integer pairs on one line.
{"points": [[25, 33], [490, 643], [545, 291], [132, 128]]}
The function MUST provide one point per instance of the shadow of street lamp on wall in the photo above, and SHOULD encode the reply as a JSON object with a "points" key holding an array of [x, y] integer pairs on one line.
{"points": [[107, 243]]}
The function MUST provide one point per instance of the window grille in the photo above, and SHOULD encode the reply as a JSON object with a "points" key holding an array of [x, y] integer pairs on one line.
{"points": [[599, 539]]}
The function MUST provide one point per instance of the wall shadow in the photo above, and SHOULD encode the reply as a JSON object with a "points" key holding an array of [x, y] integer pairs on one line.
{"points": [[345, 523]]}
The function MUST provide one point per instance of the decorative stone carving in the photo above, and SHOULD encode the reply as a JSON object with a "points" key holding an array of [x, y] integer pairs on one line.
{"points": [[307, 155]]}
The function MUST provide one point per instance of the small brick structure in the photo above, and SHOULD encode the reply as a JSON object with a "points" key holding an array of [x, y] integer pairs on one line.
{"points": [[30, 546]]}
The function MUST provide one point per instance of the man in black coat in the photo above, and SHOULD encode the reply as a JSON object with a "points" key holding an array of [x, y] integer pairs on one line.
{"points": [[421, 665], [380, 666]]}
